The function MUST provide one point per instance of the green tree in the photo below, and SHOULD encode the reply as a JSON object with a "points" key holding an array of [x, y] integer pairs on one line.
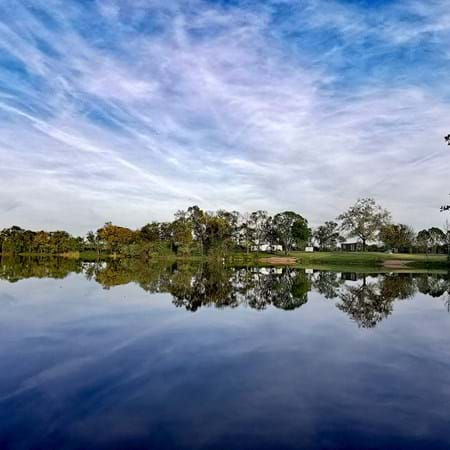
{"points": [[437, 238], [327, 235], [431, 239], [198, 218], [290, 229], [246, 233], [93, 242], [151, 232], [397, 236], [182, 236], [423, 240], [217, 234], [258, 224], [364, 220]]}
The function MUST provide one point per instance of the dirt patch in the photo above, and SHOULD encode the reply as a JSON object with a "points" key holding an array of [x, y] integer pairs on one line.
{"points": [[395, 264], [281, 260]]}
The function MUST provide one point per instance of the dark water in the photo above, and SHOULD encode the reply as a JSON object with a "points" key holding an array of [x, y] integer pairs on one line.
{"points": [[127, 356]]}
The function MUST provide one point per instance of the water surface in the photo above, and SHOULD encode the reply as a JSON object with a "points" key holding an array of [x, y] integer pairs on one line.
{"points": [[137, 356]]}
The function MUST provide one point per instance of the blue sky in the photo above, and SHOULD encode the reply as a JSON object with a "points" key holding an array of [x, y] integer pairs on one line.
{"points": [[129, 110]]}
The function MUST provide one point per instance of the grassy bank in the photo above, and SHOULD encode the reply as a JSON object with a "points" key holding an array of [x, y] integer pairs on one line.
{"points": [[348, 261], [371, 259]]}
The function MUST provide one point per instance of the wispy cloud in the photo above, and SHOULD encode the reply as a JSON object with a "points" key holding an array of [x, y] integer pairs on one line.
{"points": [[128, 111]]}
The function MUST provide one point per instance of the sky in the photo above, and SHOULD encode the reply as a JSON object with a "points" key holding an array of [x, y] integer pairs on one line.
{"points": [[127, 111]]}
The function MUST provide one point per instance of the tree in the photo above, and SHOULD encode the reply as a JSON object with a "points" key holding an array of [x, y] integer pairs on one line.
{"points": [[217, 235], [198, 219], [290, 229], [447, 238], [41, 240], [431, 239], [233, 218], [397, 236], [245, 232], [151, 232], [115, 237], [364, 220], [93, 241], [12, 240], [181, 236], [258, 224], [423, 240], [327, 235], [437, 238]]}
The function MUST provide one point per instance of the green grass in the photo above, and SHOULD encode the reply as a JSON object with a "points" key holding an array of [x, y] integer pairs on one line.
{"points": [[369, 259]]}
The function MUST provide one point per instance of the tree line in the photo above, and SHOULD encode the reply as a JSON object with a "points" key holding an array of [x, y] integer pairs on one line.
{"points": [[368, 222], [195, 232]]}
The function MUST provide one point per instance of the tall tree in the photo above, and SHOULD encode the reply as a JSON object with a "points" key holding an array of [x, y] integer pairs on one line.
{"points": [[397, 236], [258, 221], [437, 238], [198, 219], [246, 235], [181, 236], [327, 235], [290, 229], [364, 220], [423, 240], [218, 234], [431, 239]]}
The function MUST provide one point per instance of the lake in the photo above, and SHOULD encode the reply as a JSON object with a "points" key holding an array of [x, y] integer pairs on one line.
{"points": [[126, 355]]}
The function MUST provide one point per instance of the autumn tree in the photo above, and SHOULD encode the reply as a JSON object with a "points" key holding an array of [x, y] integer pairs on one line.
{"points": [[115, 237]]}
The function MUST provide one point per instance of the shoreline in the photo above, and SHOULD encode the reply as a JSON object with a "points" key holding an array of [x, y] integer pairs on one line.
{"points": [[319, 260]]}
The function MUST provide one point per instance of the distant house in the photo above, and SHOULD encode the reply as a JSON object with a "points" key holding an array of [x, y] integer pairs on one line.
{"points": [[356, 246], [267, 248], [351, 246]]}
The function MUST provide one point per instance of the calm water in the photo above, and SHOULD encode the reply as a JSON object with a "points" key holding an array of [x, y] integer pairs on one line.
{"points": [[127, 356]]}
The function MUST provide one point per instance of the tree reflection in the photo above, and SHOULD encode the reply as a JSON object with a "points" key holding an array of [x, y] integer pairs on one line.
{"points": [[15, 269], [433, 284], [328, 283], [369, 302], [193, 285]]}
